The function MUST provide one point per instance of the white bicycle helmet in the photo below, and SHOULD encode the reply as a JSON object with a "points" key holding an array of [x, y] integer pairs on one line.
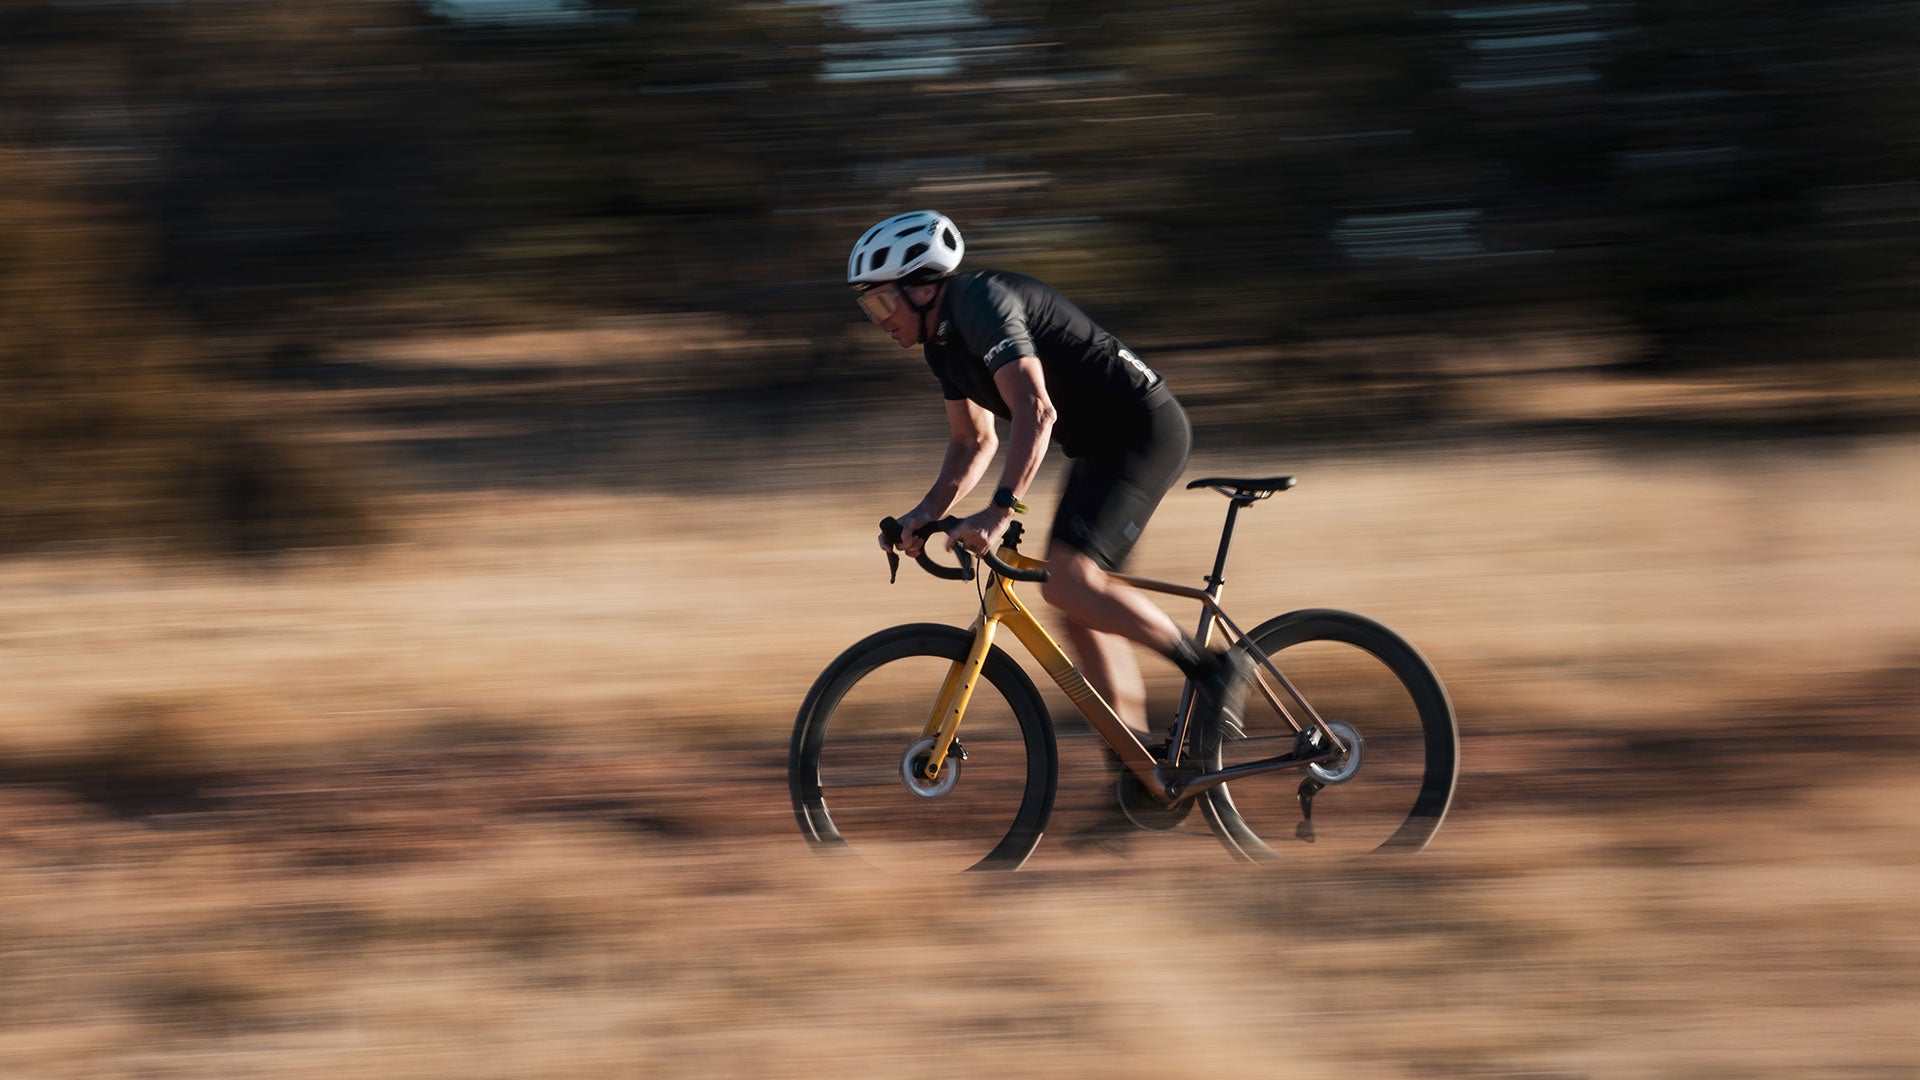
{"points": [[916, 246]]}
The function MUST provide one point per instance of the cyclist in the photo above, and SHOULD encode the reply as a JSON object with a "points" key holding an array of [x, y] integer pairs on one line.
{"points": [[1003, 344]]}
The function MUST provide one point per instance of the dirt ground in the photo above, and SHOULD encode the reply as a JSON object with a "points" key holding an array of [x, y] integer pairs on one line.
{"points": [[506, 798]]}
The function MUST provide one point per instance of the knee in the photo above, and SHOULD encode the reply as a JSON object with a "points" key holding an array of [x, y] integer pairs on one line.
{"points": [[1072, 579], [1055, 590]]}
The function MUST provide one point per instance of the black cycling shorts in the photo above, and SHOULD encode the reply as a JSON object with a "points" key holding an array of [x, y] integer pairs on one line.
{"points": [[1111, 493]]}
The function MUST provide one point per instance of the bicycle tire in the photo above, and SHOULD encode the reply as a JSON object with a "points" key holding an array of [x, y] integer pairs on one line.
{"points": [[854, 730], [1410, 750]]}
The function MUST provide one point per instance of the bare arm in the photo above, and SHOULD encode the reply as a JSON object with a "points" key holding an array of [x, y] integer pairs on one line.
{"points": [[1023, 387], [970, 447]]}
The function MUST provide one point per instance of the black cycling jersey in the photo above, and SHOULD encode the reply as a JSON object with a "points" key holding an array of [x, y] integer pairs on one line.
{"points": [[990, 318]]}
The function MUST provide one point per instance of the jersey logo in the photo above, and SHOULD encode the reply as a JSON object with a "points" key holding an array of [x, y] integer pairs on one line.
{"points": [[1005, 343], [1133, 361]]}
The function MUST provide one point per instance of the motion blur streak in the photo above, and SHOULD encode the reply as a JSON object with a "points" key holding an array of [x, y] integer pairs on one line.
{"points": [[441, 451]]}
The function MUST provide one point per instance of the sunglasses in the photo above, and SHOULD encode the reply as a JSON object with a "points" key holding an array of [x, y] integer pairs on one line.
{"points": [[879, 303]]}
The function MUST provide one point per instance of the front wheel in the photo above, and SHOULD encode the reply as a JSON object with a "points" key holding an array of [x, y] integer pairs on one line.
{"points": [[1378, 693], [856, 765]]}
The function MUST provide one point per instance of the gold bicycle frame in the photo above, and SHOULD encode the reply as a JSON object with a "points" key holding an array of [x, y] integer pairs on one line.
{"points": [[1001, 606]]}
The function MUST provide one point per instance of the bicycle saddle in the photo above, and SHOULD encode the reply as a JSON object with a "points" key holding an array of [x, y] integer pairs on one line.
{"points": [[1244, 490]]}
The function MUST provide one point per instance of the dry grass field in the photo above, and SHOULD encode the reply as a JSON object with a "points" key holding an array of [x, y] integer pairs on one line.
{"points": [[505, 798]]}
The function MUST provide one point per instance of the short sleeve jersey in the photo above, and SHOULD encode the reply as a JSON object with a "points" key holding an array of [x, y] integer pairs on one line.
{"points": [[990, 318]]}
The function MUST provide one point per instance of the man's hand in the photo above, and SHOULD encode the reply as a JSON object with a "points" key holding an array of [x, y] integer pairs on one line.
{"points": [[982, 531], [910, 545]]}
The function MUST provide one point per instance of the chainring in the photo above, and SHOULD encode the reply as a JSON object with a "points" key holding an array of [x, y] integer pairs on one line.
{"points": [[1143, 810]]}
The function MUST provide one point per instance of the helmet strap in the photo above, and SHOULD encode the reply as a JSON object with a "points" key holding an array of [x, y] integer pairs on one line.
{"points": [[920, 310]]}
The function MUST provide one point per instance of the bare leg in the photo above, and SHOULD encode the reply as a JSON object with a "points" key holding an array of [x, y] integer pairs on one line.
{"points": [[1103, 616], [1108, 662]]}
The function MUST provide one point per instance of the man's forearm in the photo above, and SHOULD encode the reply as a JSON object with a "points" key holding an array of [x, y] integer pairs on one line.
{"points": [[1026, 447], [962, 468]]}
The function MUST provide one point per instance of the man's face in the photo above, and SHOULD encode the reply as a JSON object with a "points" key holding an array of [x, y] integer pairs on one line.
{"points": [[887, 309]]}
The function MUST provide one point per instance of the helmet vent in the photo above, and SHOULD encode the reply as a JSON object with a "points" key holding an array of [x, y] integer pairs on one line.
{"points": [[920, 245]]}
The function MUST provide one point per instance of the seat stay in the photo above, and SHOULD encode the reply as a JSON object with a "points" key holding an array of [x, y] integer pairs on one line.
{"points": [[1214, 616]]}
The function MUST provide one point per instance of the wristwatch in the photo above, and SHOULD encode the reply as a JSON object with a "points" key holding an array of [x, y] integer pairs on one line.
{"points": [[1005, 500]]}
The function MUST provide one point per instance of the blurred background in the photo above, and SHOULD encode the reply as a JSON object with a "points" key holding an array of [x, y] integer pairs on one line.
{"points": [[1350, 219], [416, 415]]}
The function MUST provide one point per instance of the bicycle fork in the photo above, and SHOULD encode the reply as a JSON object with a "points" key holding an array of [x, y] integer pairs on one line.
{"points": [[943, 724]]}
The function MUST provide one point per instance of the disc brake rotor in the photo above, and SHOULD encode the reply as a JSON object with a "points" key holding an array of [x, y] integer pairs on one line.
{"points": [[912, 770], [1341, 769]]}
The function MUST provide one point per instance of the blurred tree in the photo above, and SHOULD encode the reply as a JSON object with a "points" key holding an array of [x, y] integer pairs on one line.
{"points": [[1770, 152], [1735, 182], [110, 428]]}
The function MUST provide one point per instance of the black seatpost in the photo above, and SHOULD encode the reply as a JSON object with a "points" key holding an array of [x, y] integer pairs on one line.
{"points": [[1218, 577]]}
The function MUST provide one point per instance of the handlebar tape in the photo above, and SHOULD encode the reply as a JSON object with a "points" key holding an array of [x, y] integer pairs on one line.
{"points": [[890, 528]]}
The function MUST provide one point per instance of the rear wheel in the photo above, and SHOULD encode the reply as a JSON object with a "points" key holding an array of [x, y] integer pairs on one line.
{"points": [[856, 766], [1388, 792]]}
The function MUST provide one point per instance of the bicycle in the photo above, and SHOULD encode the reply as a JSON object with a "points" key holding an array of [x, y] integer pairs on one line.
{"points": [[1376, 750]]}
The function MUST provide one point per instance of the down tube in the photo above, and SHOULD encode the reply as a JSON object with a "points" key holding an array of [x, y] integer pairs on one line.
{"points": [[1099, 714]]}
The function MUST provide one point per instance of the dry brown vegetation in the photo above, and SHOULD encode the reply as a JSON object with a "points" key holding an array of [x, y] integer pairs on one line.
{"points": [[504, 797]]}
